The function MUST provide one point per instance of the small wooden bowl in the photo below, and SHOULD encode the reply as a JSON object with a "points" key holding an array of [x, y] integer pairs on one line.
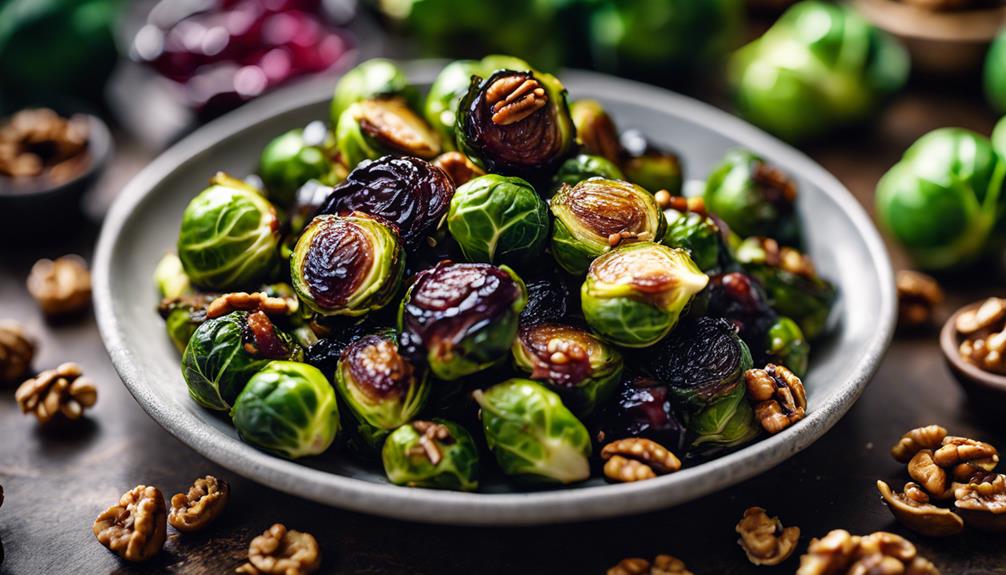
{"points": [[986, 389]]}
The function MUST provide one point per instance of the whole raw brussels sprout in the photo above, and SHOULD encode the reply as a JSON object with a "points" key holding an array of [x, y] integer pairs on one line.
{"points": [[943, 199], [995, 73], [170, 277], [229, 236], [460, 318], [634, 295], [596, 130], [287, 408], [582, 167], [382, 389], [999, 137], [347, 265], [597, 214], [698, 234], [753, 197], [498, 219], [374, 78], [292, 159], [369, 129], [785, 345], [648, 165], [820, 67], [224, 352], [532, 434], [436, 454], [516, 123], [581, 368], [643, 407]]}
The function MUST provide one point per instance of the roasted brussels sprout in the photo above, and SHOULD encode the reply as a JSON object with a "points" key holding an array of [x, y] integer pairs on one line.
{"points": [[596, 215], [460, 318], [496, 219], [436, 454], [995, 73], [229, 236], [347, 265], [596, 130], [170, 277], [370, 129], [753, 197], [943, 199], [293, 158], [182, 315], [698, 234], [548, 299], [820, 67], [532, 434], [382, 389], [288, 408], [225, 352], [582, 369], [650, 166], [703, 363], [408, 192], [582, 167], [375, 78], [634, 295], [642, 408], [785, 345], [516, 123]]}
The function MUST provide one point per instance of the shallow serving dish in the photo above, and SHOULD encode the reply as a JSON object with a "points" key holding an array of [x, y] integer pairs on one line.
{"points": [[143, 224]]}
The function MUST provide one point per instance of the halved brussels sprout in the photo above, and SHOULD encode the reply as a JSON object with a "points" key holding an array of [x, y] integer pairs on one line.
{"points": [[435, 454], [647, 165], [170, 277], [698, 234], [287, 408], [785, 345], [582, 167], [582, 369], [596, 130], [370, 129], [532, 434], [229, 236], [374, 78], [460, 318], [411, 193], [382, 389], [995, 73], [347, 265], [643, 407], [225, 352], [496, 219], [634, 295], [516, 123], [753, 197], [596, 215], [183, 315], [293, 158]]}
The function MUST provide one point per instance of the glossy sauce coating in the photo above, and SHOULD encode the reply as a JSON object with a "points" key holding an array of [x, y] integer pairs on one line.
{"points": [[337, 261]]}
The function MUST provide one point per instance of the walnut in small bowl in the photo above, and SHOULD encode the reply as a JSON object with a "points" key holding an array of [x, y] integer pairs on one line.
{"points": [[973, 342]]}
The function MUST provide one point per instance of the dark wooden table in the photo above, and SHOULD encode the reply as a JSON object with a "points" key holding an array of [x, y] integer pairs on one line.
{"points": [[57, 482]]}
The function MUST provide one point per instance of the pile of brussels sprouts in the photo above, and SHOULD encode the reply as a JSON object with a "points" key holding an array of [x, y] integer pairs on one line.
{"points": [[489, 272]]}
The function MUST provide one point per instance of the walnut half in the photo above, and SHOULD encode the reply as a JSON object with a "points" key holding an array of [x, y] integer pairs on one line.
{"points": [[661, 565], [637, 458], [61, 391], [933, 478], [913, 510], [61, 286], [764, 539], [136, 527], [778, 396], [281, 552], [982, 502], [879, 553], [202, 504], [928, 437]]}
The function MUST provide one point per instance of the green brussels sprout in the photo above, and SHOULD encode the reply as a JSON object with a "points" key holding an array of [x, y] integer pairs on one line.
{"points": [[999, 138], [581, 368], [532, 434], [787, 346], [820, 67], [596, 131], [229, 236], [347, 265], [496, 219], [793, 286], [597, 214], [170, 277], [288, 408], [381, 388], [634, 294], [225, 352], [697, 233], [753, 197], [435, 454], [291, 160], [650, 166], [369, 129], [182, 315], [943, 199], [374, 78], [995, 73], [583, 167]]}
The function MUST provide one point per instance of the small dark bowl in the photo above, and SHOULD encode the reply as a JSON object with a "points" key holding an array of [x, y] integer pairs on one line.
{"points": [[986, 390]]}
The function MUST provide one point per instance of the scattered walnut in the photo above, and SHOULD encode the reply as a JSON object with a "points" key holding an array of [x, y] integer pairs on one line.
{"points": [[764, 539], [982, 502], [928, 437], [989, 315], [16, 351], [206, 499], [458, 167], [57, 391], [243, 301], [829, 555], [661, 565], [515, 97], [281, 552], [965, 457], [879, 553], [933, 478], [136, 527], [918, 296], [913, 510], [637, 458], [778, 396], [61, 287]]}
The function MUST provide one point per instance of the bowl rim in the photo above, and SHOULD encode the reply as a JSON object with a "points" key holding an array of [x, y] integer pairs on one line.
{"points": [[448, 507], [949, 342]]}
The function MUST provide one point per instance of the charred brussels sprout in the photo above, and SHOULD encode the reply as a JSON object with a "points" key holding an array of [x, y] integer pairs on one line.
{"points": [[634, 295], [460, 318], [698, 234], [582, 369], [411, 193], [370, 129], [434, 454], [532, 434], [596, 215], [290, 160], [643, 407], [375, 78], [995, 73], [347, 265], [784, 344], [497, 219], [287, 408], [753, 197], [647, 165], [229, 236], [596, 130], [582, 167], [516, 123], [381, 388], [943, 199], [225, 352]]}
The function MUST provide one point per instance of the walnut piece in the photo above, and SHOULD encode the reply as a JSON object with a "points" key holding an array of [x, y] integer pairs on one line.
{"points": [[16, 351], [515, 97], [661, 565], [458, 167], [965, 457], [61, 287], [982, 502], [637, 458], [988, 316], [764, 539], [243, 301], [778, 396], [913, 510], [918, 296], [61, 391], [136, 527], [205, 500], [281, 552], [879, 553], [928, 437], [933, 478], [988, 352]]}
